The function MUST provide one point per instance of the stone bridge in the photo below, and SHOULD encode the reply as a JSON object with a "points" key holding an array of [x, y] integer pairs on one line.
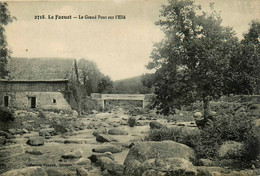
{"points": [[102, 98]]}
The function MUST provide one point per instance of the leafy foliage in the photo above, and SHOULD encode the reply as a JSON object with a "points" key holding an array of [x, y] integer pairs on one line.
{"points": [[89, 75], [5, 19], [92, 79], [6, 114], [175, 134], [245, 67], [206, 142], [79, 100], [131, 121], [74, 95], [199, 59], [105, 85], [135, 111]]}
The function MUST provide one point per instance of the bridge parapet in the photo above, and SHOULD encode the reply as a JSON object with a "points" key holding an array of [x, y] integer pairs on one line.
{"points": [[123, 96], [145, 98]]}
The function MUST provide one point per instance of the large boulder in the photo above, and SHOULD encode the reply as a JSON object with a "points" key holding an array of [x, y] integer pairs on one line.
{"points": [[33, 152], [35, 141], [231, 149], [105, 138], [168, 166], [101, 130], [205, 162], [95, 156], [15, 131], [28, 171], [117, 131], [211, 170], [74, 113], [53, 172], [156, 125], [81, 172], [112, 168], [47, 132], [103, 160], [107, 148], [152, 151], [83, 161], [197, 115], [72, 155], [164, 149], [6, 135]]}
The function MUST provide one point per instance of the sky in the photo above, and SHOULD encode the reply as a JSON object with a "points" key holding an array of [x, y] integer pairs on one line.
{"points": [[120, 47]]}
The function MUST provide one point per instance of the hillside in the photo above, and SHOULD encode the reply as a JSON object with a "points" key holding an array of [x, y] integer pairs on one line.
{"points": [[130, 85]]}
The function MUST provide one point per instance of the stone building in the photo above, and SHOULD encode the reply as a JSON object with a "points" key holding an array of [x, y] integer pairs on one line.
{"points": [[40, 94]]}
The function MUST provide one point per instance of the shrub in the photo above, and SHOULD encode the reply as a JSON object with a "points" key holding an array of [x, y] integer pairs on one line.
{"points": [[137, 111], [79, 100], [187, 117], [59, 128], [238, 127], [252, 145], [206, 142], [178, 134], [6, 114], [131, 121], [89, 104]]}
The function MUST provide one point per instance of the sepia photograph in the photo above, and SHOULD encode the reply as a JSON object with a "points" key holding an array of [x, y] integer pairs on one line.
{"points": [[130, 88]]}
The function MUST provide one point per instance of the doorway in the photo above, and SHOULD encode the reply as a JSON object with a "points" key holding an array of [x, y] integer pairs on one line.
{"points": [[32, 102], [6, 101]]}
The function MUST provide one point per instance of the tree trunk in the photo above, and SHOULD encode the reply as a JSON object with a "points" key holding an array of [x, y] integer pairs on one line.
{"points": [[76, 71], [206, 107]]}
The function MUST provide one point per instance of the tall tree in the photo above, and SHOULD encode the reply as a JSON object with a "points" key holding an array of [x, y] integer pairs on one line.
{"points": [[192, 60], [244, 72], [5, 18], [251, 55], [89, 75], [105, 85]]}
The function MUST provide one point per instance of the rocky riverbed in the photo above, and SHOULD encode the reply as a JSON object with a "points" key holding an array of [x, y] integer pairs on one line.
{"points": [[60, 143]]}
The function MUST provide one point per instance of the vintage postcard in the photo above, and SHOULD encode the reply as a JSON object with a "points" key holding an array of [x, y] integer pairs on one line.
{"points": [[129, 87]]}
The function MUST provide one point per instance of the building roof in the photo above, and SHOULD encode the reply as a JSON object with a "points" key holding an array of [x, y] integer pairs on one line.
{"points": [[40, 68], [34, 81]]}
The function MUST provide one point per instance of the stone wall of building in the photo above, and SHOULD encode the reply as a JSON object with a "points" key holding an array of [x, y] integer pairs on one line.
{"points": [[43, 100], [41, 94]]}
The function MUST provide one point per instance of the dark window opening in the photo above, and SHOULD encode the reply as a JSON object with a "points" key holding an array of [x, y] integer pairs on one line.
{"points": [[6, 101], [54, 101], [32, 102]]}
